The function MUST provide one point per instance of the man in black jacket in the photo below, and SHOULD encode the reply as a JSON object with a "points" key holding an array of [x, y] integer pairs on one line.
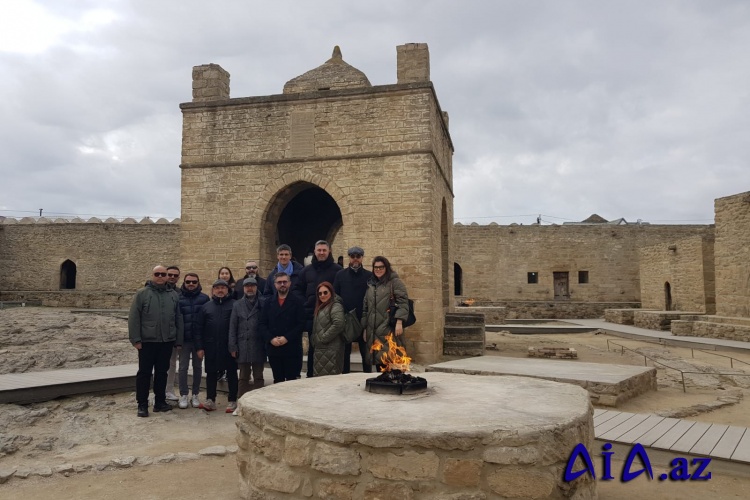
{"points": [[323, 268], [212, 342], [282, 319], [351, 286], [192, 299]]}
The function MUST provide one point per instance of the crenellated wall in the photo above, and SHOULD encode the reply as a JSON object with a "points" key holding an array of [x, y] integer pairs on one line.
{"points": [[110, 256], [495, 260]]}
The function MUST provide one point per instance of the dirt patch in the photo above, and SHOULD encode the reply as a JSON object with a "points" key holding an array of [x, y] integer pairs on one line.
{"points": [[91, 432]]}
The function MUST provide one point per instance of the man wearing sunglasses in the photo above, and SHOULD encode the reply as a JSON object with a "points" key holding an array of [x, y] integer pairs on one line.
{"points": [[173, 276], [154, 327], [251, 271]]}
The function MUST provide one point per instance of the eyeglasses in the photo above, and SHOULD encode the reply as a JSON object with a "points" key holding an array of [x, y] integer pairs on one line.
{"points": [[160, 275], [173, 275], [285, 282], [378, 267], [251, 267], [191, 282], [355, 255], [323, 293]]}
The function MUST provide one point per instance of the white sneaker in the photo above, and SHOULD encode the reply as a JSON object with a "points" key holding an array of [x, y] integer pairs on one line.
{"points": [[195, 402], [236, 412], [183, 402], [172, 397]]}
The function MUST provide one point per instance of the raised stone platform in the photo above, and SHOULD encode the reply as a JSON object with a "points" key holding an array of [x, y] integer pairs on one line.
{"points": [[608, 385], [658, 320], [716, 327], [466, 437]]}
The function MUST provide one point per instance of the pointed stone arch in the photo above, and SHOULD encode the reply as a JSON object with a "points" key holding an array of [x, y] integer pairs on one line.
{"points": [[300, 207]]}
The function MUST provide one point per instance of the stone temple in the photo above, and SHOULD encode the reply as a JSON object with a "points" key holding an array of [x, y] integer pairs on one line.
{"points": [[333, 158]]}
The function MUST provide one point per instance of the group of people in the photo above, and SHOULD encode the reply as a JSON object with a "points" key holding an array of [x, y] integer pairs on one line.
{"points": [[244, 323]]}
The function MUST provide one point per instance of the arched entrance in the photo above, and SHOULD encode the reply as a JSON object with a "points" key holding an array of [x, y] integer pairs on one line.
{"points": [[68, 275], [458, 276], [667, 296], [300, 214]]}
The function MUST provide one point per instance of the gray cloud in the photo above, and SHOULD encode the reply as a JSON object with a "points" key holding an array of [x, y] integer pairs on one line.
{"points": [[626, 109]]}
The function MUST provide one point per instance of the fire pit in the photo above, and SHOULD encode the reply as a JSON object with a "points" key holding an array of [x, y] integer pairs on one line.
{"points": [[394, 378], [396, 382], [466, 437]]}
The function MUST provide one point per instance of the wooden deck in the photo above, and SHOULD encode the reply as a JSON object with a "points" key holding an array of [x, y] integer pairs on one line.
{"points": [[34, 387], [686, 437]]}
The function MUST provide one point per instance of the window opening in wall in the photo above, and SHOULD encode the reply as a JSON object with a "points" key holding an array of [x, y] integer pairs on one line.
{"points": [[532, 278], [68, 275], [667, 296], [457, 279], [583, 276]]}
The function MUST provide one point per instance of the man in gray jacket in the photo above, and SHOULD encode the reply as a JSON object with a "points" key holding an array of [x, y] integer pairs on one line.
{"points": [[155, 329], [245, 342]]}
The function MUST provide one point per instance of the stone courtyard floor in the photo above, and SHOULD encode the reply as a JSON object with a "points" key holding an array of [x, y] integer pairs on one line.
{"points": [[174, 455]]}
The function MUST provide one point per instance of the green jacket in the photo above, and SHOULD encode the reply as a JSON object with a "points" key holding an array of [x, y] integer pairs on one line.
{"points": [[375, 314], [328, 339], [155, 316]]}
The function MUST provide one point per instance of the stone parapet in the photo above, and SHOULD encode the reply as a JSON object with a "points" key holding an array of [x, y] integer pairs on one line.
{"points": [[658, 320], [715, 327], [308, 439]]}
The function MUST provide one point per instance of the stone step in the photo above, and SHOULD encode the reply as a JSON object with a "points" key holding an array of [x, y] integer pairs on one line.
{"points": [[463, 336], [469, 344], [460, 351], [464, 319]]}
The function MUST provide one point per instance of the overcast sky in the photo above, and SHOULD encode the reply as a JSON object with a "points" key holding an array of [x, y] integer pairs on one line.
{"points": [[634, 109]]}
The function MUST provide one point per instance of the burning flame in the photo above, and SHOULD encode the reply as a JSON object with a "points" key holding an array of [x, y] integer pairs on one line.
{"points": [[394, 358]]}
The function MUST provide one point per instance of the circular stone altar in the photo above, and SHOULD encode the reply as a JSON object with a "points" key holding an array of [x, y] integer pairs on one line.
{"points": [[467, 436]]}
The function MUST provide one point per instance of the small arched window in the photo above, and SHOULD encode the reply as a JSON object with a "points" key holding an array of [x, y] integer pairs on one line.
{"points": [[68, 275], [458, 276]]}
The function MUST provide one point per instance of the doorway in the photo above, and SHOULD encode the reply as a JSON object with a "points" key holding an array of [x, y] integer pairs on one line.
{"points": [[561, 285], [301, 214], [667, 296], [68, 275]]}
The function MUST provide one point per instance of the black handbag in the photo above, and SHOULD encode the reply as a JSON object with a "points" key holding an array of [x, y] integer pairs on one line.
{"points": [[411, 318]]}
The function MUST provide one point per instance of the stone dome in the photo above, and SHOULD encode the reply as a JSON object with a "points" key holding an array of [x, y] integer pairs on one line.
{"points": [[334, 74]]}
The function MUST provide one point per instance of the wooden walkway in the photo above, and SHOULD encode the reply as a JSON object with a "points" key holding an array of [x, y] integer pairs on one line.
{"points": [[680, 436], [35, 387]]}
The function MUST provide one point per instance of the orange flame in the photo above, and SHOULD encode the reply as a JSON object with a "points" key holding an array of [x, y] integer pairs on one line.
{"points": [[394, 358]]}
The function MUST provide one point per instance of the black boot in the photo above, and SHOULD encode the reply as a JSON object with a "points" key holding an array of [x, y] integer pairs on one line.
{"points": [[164, 406], [143, 410]]}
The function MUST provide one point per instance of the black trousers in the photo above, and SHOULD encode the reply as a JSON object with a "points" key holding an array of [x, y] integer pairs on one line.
{"points": [[152, 357], [285, 367], [366, 366], [212, 377], [310, 355]]}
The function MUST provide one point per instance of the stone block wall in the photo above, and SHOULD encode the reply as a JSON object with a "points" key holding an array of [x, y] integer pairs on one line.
{"points": [[109, 256], [732, 254], [688, 266], [495, 259]]}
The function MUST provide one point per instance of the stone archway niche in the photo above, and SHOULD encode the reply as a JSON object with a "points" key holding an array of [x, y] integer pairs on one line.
{"points": [[468, 436]]}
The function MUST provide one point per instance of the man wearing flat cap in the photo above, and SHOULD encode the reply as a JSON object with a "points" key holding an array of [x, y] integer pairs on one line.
{"points": [[245, 343], [351, 285], [212, 344]]}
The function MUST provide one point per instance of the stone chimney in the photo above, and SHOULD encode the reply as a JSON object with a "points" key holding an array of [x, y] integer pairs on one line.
{"points": [[210, 83], [412, 63]]}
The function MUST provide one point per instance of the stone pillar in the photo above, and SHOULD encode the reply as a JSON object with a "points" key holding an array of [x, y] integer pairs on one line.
{"points": [[413, 63], [210, 83]]}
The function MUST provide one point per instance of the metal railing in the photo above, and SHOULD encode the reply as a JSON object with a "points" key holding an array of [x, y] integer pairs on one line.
{"points": [[682, 372]]}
